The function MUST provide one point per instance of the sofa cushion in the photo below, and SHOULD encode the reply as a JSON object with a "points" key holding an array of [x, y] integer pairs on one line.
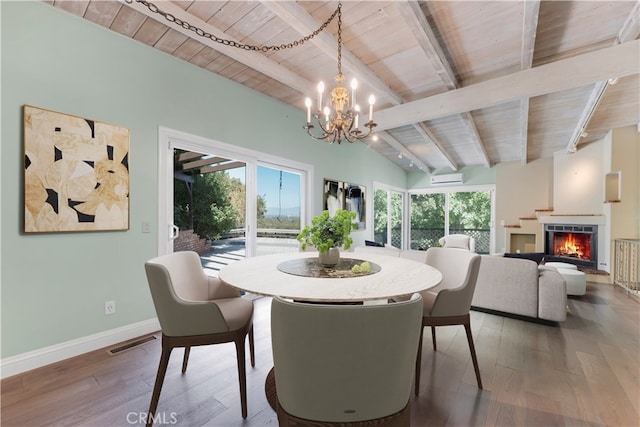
{"points": [[508, 285]]}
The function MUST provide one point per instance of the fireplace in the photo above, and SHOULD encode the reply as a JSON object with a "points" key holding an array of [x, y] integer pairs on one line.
{"points": [[572, 243]]}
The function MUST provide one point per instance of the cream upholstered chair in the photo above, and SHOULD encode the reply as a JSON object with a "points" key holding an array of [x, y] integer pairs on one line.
{"points": [[449, 303], [194, 309], [458, 241], [344, 364]]}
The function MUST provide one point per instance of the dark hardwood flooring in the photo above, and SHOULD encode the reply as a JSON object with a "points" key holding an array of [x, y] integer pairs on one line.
{"points": [[586, 372]]}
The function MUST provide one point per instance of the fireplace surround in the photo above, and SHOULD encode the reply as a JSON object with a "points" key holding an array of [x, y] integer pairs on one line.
{"points": [[573, 243]]}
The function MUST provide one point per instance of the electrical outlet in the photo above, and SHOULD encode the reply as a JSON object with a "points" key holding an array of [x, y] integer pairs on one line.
{"points": [[146, 227], [109, 307]]}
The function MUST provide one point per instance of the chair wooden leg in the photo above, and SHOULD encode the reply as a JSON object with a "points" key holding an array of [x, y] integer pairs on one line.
{"points": [[162, 370], [467, 328], [433, 338], [185, 359], [242, 374], [419, 363], [252, 352]]}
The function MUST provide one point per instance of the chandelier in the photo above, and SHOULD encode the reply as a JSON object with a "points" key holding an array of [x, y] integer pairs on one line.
{"points": [[338, 121]]}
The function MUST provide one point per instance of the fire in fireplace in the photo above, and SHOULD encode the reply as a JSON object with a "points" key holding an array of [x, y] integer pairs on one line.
{"points": [[576, 244], [573, 245]]}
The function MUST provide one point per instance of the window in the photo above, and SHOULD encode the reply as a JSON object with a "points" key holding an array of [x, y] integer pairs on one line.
{"points": [[436, 214]]}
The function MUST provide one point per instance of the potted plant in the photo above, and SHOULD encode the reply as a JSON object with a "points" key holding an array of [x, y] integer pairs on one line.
{"points": [[329, 233]]}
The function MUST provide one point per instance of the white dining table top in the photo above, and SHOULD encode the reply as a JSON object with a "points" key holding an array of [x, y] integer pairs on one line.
{"points": [[397, 277]]}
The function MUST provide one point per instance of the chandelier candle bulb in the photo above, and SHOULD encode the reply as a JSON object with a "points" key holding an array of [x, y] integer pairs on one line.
{"points": [[320, 90], [307, 103], [326, 114], [372, 100], [354, 86]]}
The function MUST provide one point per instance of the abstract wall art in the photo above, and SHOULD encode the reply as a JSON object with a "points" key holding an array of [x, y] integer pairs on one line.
{"points": [[76, 173]]}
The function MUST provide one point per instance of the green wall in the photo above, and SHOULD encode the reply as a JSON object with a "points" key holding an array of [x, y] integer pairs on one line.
{"points": [[54, 285]]}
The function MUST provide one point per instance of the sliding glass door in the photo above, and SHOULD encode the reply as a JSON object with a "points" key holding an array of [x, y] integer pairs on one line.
{"points": [[224, 203]]}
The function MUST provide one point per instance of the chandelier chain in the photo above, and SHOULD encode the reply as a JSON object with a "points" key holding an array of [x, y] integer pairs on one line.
{"points": [[339, 10], [232, 43]]}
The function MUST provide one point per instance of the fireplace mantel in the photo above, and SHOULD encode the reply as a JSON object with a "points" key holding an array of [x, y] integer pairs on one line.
{"points": [[573, 219]]}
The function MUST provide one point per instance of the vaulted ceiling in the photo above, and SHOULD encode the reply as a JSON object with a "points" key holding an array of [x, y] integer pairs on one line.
{"points": [[457, 83]]}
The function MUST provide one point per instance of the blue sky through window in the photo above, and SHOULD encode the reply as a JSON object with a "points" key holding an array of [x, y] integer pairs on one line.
{"points": [[283, 201]]}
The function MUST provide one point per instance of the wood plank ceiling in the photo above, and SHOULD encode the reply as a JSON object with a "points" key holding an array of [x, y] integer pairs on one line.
{"points": [[458, 83]]}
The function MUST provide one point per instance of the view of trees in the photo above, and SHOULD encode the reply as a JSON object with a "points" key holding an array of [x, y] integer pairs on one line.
{"points": [[211, 212], [381, 219], [219, 205], [469, 212]]}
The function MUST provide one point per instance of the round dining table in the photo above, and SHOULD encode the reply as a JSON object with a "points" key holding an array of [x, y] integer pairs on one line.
{"points": [[298, 276]]}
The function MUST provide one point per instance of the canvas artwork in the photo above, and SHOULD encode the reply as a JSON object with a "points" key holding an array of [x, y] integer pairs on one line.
{"points": [[76, 173], [343, 195]]}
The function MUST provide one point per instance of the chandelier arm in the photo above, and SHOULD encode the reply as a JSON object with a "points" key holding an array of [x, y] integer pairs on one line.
{"points": [[308, 128]]}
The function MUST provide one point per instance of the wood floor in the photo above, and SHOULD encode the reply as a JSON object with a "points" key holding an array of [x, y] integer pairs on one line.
{"points": [[585, 372]]}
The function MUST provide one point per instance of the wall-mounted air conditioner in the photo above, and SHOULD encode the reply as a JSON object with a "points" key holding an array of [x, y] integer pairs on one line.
{"points": [[448, 179]]}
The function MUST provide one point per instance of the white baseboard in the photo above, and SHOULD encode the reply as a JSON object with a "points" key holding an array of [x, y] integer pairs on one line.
{"points": [[13, 365]]}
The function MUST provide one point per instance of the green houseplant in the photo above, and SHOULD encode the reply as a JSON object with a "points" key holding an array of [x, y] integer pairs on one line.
{"points": [[328, 233]]}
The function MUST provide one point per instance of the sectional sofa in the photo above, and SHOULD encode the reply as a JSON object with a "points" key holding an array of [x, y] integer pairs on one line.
{"points": [[505, 285]]}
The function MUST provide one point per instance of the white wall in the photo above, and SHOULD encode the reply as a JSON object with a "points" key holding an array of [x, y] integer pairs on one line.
{"points": [[625, 157], [578, 180], [520, 190]]}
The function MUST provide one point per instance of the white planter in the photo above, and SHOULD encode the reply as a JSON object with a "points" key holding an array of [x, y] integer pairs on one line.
{"points": [[329, 258]]}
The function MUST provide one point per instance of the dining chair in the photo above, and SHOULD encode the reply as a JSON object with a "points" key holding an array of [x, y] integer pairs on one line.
{"points": [[193, 310], [449, 303], [344, 365]]}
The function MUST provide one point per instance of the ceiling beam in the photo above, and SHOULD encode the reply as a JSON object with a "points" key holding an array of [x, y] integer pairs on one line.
{"points": [[628, 32], [426, 133], [223, 167], [402, 149], [529, 30], [417, 22], [255, 60], [189, 155], [581, 70], [204, 162]]}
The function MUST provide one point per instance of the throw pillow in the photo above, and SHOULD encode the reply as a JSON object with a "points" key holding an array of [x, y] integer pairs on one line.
{"points": [[371, 243]]}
